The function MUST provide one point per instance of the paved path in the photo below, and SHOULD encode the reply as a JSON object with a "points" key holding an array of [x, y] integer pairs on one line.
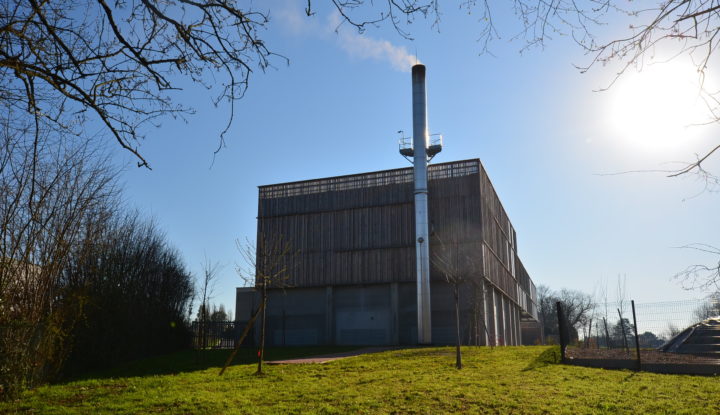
{"points": [[330, 357]]}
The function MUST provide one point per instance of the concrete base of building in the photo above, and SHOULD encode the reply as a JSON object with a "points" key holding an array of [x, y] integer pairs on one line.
{"points": [[382, 315]]}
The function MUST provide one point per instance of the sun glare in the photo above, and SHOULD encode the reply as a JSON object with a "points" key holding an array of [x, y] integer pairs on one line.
{"points": [[655, 109]]}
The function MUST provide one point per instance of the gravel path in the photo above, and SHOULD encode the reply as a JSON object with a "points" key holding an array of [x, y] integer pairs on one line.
{"points": [[329, 357]]}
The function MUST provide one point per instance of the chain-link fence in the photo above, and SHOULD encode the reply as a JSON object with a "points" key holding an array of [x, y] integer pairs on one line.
{"points": [[609, 334], [612, 325]]}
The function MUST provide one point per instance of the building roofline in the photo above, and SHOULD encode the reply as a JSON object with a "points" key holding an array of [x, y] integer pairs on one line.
{"points": [[346, 176]]}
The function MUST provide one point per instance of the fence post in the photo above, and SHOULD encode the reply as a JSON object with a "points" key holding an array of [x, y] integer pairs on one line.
{"points": [[561, 330], [637, 339]]}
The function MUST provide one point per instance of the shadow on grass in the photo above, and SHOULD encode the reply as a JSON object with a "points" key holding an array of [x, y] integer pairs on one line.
{"points": [[550, 356], [194, 360], [629, 377]]}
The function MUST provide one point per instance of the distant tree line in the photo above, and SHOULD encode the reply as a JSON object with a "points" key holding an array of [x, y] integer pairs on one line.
{"points": [[213, 313], [83, 283], [577, 307], [711, 308]]}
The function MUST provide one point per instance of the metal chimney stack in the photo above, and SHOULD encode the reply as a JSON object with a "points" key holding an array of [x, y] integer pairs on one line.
{"points": [[420, 170]]}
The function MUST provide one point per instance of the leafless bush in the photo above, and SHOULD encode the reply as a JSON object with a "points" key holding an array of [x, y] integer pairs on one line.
{"points": [[81, 284], [52, 193], [136, 293]]}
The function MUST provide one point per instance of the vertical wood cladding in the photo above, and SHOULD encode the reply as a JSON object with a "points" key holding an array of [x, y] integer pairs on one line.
{"points": [[359, 229]]}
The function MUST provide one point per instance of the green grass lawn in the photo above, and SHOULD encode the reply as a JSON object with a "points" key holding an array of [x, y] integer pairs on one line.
{"points": [[506, 380]]}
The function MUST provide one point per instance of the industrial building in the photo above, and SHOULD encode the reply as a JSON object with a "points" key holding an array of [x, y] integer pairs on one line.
{"points": [[379, 258], [353, 279]]}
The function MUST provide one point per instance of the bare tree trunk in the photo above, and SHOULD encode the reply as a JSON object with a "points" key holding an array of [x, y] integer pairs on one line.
{"points": [[204, 338], [607, 334], [486, 333], [209, 273], [244, 334], [268, 268], [458, 358], [622, 328], [589, 334], [261, 349]]}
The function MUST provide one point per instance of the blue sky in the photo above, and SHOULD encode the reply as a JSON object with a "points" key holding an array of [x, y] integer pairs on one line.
{"points": [[533, 119]]}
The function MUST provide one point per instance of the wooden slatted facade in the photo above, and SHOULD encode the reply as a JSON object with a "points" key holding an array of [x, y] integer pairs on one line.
{"points": [[359, 229]]}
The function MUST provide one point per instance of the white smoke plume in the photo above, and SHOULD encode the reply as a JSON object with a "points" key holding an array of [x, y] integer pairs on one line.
{"points": [[293, 19], [363, 47]]}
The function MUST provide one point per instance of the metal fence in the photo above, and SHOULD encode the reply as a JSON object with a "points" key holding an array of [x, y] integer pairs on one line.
{"points": [[625, 335], [628, 326], [612, 325], [217, 334]]}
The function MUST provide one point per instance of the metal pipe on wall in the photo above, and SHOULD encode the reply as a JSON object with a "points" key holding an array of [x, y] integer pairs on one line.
{"points": [[422, 241]]}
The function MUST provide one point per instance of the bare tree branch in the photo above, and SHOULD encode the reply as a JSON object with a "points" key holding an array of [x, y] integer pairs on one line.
{"points": [[117, 62], [701, 277]]}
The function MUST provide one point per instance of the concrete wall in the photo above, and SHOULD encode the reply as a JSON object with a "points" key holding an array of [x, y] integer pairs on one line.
{"points": [[296, 317], [381, 314], [363, 315]]}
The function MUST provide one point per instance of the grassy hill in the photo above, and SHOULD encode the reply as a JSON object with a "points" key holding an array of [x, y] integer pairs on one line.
{"points": [[507, 380]]}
